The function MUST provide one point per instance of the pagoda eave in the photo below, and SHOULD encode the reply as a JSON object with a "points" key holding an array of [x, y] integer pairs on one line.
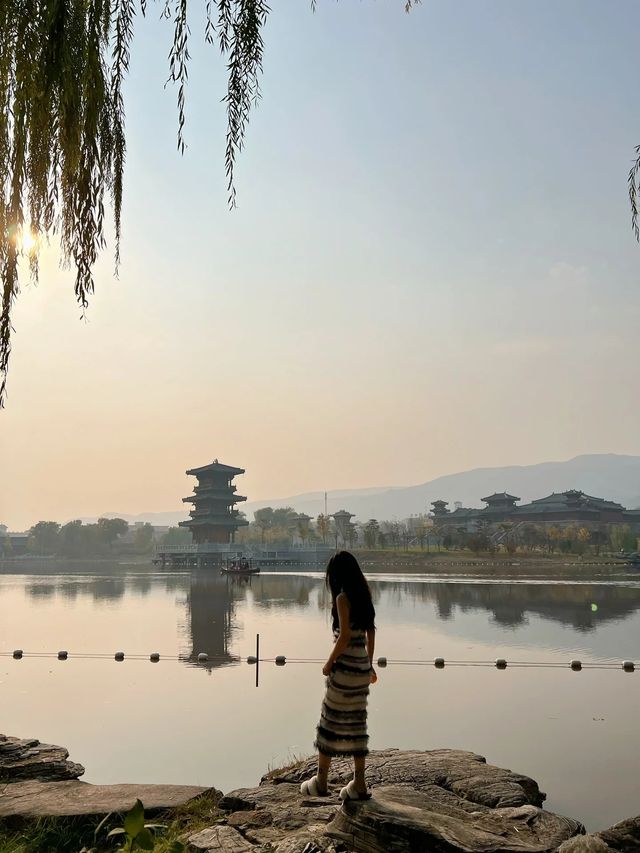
{"points": [[214, 522], [232, 499]]}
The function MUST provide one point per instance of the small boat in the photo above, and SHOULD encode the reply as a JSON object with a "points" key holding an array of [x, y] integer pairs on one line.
{"points": [[235, 571], [241, 567]]}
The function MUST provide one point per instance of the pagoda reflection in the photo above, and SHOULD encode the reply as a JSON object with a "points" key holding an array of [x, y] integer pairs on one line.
{"points": [[210, 613]]}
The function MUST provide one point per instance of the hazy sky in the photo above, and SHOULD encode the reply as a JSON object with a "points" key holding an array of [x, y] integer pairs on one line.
{"points": [[431, 267]]}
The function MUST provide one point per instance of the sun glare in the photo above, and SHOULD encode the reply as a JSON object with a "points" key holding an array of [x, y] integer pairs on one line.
{"points": [[28, 240]]}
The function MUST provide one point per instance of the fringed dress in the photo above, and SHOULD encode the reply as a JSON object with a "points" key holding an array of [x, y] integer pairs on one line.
{"points": [[342, 729]]}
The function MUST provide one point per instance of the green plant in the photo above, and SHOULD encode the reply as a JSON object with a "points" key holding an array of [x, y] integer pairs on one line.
{"points": [[136, 834]]}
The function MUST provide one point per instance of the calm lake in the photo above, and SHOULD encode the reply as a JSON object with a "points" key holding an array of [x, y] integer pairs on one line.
{"points": [[576, 733]]}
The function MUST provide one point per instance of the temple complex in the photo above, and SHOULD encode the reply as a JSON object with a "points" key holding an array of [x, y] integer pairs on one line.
{"points": [[558, 508], [214, 518]]}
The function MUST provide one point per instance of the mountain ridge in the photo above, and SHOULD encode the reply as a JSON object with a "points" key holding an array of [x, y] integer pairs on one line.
{"points": [[608, 475]]}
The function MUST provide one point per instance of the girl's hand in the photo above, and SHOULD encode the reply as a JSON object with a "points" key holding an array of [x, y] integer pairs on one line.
{"points": [[374, 676], [326, 669]]}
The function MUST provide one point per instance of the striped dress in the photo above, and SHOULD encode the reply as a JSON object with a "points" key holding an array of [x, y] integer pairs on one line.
{"points": [[342, 729]]}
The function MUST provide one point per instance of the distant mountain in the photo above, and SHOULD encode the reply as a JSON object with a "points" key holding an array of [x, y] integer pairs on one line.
{"points": [[605, 475], [609, 476]]}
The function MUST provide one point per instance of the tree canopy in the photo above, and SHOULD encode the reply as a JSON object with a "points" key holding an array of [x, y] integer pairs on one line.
{"points": [[62, 122]]}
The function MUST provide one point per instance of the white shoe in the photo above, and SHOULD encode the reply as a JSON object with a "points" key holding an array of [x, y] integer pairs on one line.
{"points": [[349, 793], [310, 788]]}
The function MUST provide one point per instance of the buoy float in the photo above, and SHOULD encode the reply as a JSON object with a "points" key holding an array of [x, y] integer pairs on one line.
{"points": [[382, 662], [154, 657], [63, 655], [18, 654], [119, 656], [628, 665], [280, 660], [439, 663], [576, 665], [203, 657], [501, 663], [252, 659]]}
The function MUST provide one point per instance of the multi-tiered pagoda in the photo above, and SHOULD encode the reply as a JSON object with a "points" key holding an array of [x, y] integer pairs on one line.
{"points": [[214, 517]]}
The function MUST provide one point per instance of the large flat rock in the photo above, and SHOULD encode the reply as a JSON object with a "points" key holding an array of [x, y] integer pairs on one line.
{"points": [[442, 800], [72, 798], [464, 773]]}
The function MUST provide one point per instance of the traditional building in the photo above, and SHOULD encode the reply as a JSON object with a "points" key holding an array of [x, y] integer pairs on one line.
{"points": [[214, 517], [342, 519], [440, 509], [558, 508], [299, 528], [499, 504]]}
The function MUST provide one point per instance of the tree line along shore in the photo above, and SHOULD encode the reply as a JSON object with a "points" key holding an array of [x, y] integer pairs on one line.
{"points": [[416, 541]]}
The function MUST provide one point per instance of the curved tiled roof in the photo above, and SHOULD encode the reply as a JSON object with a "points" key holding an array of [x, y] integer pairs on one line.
{"points": [[502, 496]]}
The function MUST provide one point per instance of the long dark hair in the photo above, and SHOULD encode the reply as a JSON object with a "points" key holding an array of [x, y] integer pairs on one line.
{"points": [[345, 575]]}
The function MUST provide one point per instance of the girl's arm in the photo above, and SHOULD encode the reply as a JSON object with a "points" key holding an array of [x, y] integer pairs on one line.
{"points": [[371, 643], [344, 637]]}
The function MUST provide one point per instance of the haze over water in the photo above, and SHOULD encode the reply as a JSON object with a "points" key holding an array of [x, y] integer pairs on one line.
{"points": [[177, 721]]}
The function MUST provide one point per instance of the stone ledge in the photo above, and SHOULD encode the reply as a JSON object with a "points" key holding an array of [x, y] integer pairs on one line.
{"points": [[72, 798]]}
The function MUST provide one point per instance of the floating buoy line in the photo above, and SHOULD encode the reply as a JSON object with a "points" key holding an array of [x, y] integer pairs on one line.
{"points": [[280, 660]]}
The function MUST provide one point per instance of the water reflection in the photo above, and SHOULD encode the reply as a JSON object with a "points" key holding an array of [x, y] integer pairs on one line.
{"points": [[210, 618], [582, 607], [575, 733], [210, 602]]}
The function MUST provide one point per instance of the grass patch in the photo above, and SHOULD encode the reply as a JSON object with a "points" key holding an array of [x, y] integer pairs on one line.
{"points": [[293, 762], [49, 834], [70, 835]]}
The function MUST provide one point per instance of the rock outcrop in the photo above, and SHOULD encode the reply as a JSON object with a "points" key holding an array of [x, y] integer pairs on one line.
{"points": [[623, 837], [37, 780], [443, 801], [21, 760]]}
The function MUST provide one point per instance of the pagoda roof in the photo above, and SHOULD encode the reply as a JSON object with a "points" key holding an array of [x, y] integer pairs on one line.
{"points": [[439, 503], [502, 496], [213, 467]]}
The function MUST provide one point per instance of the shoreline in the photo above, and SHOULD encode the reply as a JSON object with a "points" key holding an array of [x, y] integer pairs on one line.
{"points": [[439, 571], [436, 799]]}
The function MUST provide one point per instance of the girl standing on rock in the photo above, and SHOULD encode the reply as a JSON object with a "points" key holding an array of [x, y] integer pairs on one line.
{"points": [[342, 730]]}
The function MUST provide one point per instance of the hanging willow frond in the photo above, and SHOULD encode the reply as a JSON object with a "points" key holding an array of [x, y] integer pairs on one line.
{"points": [[62, 122], [634, 192]]}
